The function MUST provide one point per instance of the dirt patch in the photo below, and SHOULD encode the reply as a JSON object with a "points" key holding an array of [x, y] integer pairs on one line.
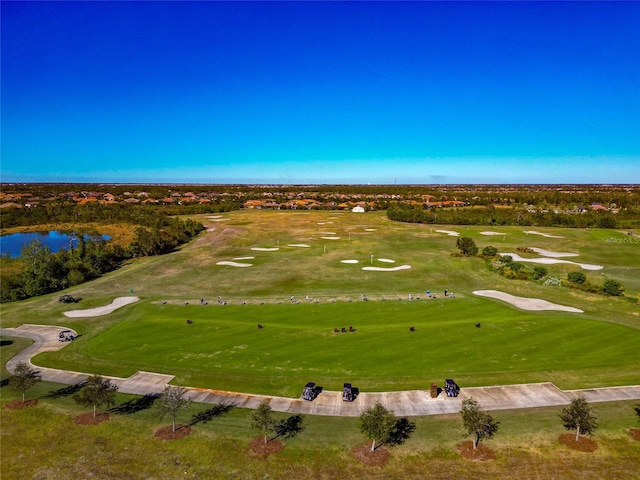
{"points": [[635, 433], [89, 419], [19, 404], [583, 445], [258, 447], [378, 458], [167, 433], [481, 454]]}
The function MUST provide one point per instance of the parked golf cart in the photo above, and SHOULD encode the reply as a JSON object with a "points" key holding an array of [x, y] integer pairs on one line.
{"points": [[310, 391], [451, 388], [348, 395], [65, 336]]}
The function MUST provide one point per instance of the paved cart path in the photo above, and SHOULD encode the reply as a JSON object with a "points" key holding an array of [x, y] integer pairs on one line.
{"points": [[407, 403]]}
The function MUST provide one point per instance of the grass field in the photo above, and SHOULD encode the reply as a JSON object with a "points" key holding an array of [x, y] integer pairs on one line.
{"points": [[223, 348]]}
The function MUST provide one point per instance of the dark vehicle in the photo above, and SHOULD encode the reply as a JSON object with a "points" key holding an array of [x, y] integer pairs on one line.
{"points": [[65, 336], [310, 392], [347, 393], [69, 299], [451, 388]]}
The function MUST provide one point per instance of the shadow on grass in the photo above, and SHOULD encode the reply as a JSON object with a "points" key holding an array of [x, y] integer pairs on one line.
{"points": [[4, 382], [65, 391], [289, 427], [210, 414], [6, 343], [401, 432], [135, 405]]}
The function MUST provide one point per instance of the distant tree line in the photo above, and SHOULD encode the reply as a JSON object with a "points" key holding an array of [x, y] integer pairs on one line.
{"points": [[40, 271], [402, 212]]}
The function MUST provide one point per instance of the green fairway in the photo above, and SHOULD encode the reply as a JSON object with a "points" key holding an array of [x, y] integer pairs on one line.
{"points": [[302, 254]]}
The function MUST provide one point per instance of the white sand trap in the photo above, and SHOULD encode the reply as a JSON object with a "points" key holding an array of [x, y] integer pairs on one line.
{"points": [[391, 269], [244, 258], [234, 264], [107, 309], [213, 217], [262, 249], [370, 229], [525, 303], [548, 253], [550, 261], [533, 232], [492, 233], [302, 245], [449, 232], [386, 260], [327, 233], [348, 261], [323, 223], [331, 238]]}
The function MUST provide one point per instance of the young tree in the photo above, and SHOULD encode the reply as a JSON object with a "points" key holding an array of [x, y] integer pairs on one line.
{"points": [[476, 421], [576, 277], [613, 288], [171, 401], [262, 419], [97, 391], [489, 251], [377, 423], [24, 378], [467, 246], [578, 415]]}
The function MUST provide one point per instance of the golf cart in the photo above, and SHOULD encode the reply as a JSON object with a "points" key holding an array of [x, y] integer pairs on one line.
{"points": [[451, 388], [310, 392], [347, 393], [65, 336]]}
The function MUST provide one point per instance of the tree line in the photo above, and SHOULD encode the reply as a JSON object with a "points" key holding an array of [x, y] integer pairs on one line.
{"points": [[40, 271]]}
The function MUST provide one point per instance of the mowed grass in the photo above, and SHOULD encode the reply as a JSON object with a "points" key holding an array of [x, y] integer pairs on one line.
{"points": [[224, 349]]}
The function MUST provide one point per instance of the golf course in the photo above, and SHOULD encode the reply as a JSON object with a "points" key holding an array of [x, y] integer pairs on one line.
{"points": [[262, 302]]}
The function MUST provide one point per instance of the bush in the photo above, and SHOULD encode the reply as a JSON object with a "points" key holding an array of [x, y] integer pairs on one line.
{"points": [[489, 251], [613, 288], [467, 246], [539, 272], [576, 277]]}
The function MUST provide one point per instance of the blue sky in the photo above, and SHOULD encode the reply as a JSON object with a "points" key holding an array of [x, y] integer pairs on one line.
{"points": [[321, 92]]}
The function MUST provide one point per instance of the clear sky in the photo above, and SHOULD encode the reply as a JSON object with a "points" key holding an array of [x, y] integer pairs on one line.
{"points": [[321, 92]]}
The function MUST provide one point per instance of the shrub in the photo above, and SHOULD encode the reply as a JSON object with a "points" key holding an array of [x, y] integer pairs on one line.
{"points": [[539, 272], [613, 288], [576, 277], [489, 251]]}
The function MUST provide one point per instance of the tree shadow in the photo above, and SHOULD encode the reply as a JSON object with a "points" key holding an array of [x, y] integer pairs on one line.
{"points": [[5, 343], [289, 427], [210, 414], [401, 432], [4, 382], [135, 405], [65, 391]]}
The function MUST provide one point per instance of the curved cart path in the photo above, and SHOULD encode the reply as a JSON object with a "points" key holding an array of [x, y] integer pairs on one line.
{"points": [[407, 403]]}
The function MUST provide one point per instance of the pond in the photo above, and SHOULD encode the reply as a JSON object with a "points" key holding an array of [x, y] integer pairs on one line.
{"points": [[11, 245]]}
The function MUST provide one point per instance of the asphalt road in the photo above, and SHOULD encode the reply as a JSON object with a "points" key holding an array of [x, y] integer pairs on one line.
{"points": [[406, 403]]}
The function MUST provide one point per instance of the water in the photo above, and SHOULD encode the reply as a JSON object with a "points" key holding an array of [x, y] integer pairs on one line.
{"points": [[12, 244]]}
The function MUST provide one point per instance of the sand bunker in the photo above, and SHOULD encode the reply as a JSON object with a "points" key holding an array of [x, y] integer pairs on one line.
{"points": [[302, 245], [449, 232], [107, 309], [262, 249], [323, 223], [386, 260], [331, 238], [348, 261], [234, 264], [391, 269], [370, 229], [548, 253], [492, 233], [525, 303], [327, 233], [533, 232], [550, 261], [244, 258]]}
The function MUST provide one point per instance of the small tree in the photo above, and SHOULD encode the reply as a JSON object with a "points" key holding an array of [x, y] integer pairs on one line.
{"points": [[467, 246], [171, 401], [539, 272], [262, 419], [377, 423], [576, 277], [476, 421], [24, 378], [612, 288], [97, 391], [489, 251], [578, 415]]}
